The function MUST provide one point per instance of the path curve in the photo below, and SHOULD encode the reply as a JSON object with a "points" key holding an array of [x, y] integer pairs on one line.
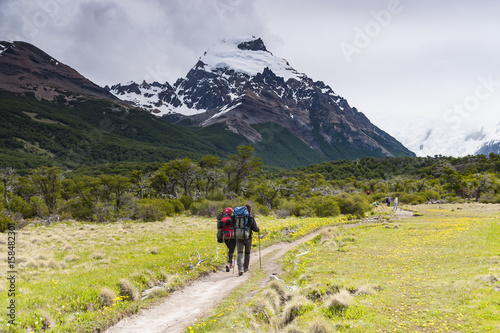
{"points": [[185, 306]]}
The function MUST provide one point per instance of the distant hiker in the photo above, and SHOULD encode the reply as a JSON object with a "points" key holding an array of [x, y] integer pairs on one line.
{"points": [[396, 203], [226, 234], [388, 201], [244, 224]]}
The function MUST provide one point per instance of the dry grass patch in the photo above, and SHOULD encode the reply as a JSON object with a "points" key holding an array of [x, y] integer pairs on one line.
{"points": [[366, 290], [273, 298], [490, 278], [263, 309], [128, 290], [154, 250], [338, 302], [52, 263], [294, 309], [98, 255], [47, 320], [71, 258], [281, 290], [321, 325], [107, 296], [293, 329]]}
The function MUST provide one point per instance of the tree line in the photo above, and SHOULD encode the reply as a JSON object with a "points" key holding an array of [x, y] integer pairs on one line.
{"points": [[206, 186]]}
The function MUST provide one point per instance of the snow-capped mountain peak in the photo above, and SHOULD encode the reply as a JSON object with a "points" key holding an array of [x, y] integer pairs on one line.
{"points": [[239, 84], [246, 55]]}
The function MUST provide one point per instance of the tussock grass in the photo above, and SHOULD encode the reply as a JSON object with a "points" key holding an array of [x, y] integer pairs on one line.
{"points": [[489, 278], [281, 290], [321, 325], [98, 255], [77, 277], [107, 296], [293, 329], [262, 309], [47, 320], [294, 308], [366, 290], [128, 290], [339, 301], [71, 258], [273, 298], [154, 250], [52, 263]]}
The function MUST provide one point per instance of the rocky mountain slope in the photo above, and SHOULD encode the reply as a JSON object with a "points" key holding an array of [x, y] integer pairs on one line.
{"points": [[239, 84], [26, 68], [52, 115]]}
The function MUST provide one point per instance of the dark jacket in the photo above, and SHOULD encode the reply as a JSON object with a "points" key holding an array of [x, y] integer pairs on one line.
{"points": [[252, 225]]}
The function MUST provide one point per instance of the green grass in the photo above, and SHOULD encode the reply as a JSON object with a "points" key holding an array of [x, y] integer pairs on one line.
{"points": [[64, 268], [433, 273]]}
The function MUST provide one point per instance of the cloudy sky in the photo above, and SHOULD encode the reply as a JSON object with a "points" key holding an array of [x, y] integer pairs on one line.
{"points": [[395, 58]]}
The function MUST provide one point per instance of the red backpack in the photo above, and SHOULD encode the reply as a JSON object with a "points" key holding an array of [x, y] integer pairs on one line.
{"points": [[227, 223]]}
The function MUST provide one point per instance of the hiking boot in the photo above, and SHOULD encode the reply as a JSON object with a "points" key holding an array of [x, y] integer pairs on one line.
{"points": [[227, 267], [240, 273], [246, 270]]}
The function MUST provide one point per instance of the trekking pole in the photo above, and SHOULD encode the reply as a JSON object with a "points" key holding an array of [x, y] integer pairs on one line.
{"points": [[260, 258]]}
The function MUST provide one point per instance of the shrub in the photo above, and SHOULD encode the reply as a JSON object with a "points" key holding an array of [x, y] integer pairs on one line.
{"points": [[154, 209], [206, 208], [412, 199], [353, 204], [186, 202], [296, 207], [128, 290], [283, 213], [178, 205], [259, 209], [17, 204], [323, 206], [5, 221]]}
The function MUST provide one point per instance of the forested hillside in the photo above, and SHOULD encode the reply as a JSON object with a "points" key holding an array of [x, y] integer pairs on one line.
{"points": [[74, 132]]}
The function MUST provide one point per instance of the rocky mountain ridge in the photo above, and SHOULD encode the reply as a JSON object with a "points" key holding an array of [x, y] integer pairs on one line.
{"points": [[238, 83], [26, 68]]}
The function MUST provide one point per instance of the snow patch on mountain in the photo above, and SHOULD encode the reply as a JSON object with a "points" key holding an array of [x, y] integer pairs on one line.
{"points": [[227, 54]]}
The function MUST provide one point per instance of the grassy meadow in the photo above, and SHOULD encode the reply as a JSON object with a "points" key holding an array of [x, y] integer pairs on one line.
{"points": [[81, 277], [438, 271]]}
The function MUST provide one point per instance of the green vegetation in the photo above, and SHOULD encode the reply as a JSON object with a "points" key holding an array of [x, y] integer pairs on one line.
{"points": [[438, 272], [83, 277], [77, 133], [112, 169], [150, 192]]}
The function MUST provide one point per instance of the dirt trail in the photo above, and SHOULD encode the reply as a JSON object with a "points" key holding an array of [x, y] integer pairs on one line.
{"points": [[184, 307]]}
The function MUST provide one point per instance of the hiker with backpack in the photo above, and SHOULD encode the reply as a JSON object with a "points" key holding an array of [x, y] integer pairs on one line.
{"points": [[243, 224], [225, 234]]}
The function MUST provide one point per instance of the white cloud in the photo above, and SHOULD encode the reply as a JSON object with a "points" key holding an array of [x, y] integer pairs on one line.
{"points": [[421, 59]]}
